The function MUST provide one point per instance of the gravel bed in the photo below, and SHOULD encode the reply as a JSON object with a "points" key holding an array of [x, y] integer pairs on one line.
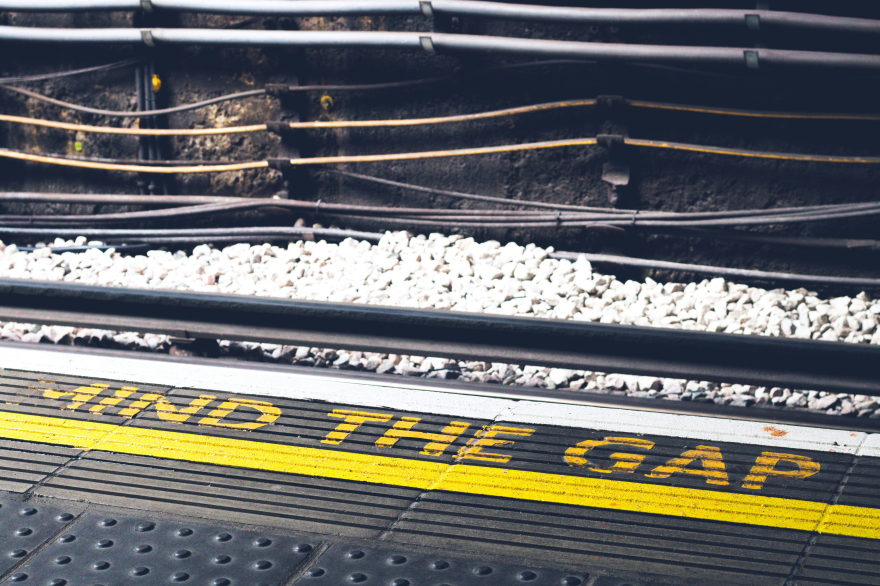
{"points": [[459, 274]]}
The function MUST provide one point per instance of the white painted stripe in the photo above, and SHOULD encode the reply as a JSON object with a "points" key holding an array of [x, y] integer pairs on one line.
{"points": [[409, 395], [244, 381], [871, 447], [689, 426]]}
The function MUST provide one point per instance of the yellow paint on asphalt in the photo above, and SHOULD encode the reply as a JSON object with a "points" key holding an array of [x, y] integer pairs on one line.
{"points": [[462, 478]]}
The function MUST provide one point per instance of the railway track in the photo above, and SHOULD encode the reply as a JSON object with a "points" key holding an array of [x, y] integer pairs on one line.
{"points": [[807, 364], [123, 469]]}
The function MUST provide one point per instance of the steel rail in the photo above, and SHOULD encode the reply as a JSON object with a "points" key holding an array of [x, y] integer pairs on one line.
{"points": [[451, 43], [758, 360], [752, 19]]}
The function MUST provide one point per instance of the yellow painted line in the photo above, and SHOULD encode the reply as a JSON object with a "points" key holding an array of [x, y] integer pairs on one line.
{"points": [[462, 478], [852, 521]]}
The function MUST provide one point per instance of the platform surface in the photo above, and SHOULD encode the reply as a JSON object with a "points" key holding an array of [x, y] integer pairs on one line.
{"points": [[353, 481]]}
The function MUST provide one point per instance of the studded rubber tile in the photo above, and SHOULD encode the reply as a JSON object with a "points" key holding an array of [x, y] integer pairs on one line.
{"points": [[610, 581], [24, 527], [359, 566], [105, 550]]}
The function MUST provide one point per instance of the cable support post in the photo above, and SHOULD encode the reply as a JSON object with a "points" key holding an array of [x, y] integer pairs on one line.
{"points": [[291, 139]]}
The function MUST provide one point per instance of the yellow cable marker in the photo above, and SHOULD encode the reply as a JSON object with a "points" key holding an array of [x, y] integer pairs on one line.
{"points": [[462, 478]]}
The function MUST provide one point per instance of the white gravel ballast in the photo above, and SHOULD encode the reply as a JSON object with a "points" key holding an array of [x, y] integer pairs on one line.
{"points": [[459, 274]]}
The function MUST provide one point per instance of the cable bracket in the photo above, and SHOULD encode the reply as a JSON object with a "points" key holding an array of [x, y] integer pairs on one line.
{"points": [[752, 59], [277, 89], [147, 5], [753, 22], [612, 142], [279, 164], [610, 103], [278, 127], [426, 8], [427, 44], [147, 37]]}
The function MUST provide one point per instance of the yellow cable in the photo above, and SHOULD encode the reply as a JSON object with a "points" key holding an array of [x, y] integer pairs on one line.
{"points": [[132, 131], [443, 119], [431, 121], [750, 114], [441, 154], [751, 154], [133, 168], [436, 155]]}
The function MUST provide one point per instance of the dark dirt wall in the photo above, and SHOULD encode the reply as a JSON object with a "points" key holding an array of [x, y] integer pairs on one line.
{"points": [[661, 180]]}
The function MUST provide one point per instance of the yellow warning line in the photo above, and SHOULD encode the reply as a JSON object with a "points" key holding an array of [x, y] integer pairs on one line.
{"points": [[462, 478]]}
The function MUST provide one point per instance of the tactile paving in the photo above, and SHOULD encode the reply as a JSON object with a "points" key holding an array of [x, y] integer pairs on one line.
{"points": [[360, 566], [109, 550], [610, 581], [24, 527]]}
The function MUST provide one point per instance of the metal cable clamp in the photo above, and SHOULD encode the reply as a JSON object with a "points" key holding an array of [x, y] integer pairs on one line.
{"points": [[147, 37]]}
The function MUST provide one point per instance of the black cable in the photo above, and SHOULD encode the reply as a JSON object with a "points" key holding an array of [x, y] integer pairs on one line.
{"points": [[182, 234], [122, 114], [720, 271], [129, 248], [282, 88], [61, 74], [467, 196], [767, 239]]}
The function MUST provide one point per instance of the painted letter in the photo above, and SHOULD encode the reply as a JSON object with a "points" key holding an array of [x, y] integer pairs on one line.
{"points": [[765, 466], [438, 441], [710, 457], [484, 438], [353, 420], [626, 462]]}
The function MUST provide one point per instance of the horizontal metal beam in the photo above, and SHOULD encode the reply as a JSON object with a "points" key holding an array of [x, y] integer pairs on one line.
{"points": [[758, 360]]}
